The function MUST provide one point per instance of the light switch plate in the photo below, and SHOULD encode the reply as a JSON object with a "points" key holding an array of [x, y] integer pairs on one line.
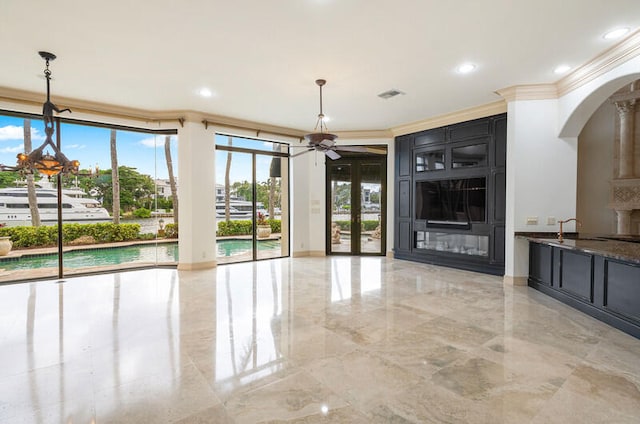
{"points": [[532, 220]]}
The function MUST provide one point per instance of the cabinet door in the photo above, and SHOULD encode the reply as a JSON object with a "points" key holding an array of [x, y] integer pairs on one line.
{"points": [[403, 155], [540, 263]]}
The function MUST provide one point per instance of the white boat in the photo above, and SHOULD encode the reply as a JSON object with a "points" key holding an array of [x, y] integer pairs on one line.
{"points": [[234, 213], [76, 207]]}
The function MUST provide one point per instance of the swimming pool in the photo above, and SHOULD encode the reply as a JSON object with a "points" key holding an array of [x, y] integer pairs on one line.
{"points": [[147, 253]]}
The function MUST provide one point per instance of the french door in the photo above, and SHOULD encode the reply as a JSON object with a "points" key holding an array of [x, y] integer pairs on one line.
{"points": [[356, 205]]}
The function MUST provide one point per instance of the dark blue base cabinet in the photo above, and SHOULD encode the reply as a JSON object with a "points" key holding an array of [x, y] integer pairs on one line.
{"points": [[605, 288]]}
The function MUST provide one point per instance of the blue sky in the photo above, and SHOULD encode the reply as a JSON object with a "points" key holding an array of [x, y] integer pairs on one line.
{"points": [[91, 145]]}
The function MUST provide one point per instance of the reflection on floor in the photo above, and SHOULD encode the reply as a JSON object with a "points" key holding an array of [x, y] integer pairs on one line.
{"points": [[340, 339]]}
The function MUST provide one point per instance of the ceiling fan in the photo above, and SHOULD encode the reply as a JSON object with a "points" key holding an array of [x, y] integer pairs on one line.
{"points": [[325, 142]]}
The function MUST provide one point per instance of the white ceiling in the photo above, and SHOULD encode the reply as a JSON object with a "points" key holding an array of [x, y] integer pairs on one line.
{"points": [[261, 57]]}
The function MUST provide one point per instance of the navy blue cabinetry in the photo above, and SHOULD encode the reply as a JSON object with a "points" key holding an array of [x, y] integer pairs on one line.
{"points": [[450, 190], [605, 286]]}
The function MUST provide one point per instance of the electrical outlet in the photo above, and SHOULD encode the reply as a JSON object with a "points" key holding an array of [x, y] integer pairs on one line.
{"points": [[551, 220], [532, 220]]}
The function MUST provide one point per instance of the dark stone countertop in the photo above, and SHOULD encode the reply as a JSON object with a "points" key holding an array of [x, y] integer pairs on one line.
{"points": [[623, 248]]}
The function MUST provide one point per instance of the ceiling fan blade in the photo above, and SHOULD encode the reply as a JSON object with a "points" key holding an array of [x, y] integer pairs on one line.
{"points": [[377, 150], [364, 149], [327, 144], [352, 148], [302, 152], [332, 154]]}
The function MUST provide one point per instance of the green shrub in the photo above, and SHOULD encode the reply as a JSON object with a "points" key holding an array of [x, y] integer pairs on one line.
{"points": [[368, 225], [142, 213], [23, 237], [242, 227], [344, 225], [238, 227], [171, 231], [276, 226]]}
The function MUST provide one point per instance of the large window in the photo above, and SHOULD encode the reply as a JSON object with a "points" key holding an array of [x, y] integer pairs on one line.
{"points": [[118, 212], [251, 199]]}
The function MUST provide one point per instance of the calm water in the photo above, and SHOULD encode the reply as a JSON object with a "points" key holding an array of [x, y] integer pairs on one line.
{"points": [[162, 253]]}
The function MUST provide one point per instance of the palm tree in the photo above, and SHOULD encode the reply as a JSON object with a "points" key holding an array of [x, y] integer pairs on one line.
{"points": [[31, 185], [227, 185], [115, 179], [172, 179]]}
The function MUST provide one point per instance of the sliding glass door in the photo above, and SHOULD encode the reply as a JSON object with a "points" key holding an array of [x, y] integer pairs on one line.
{"points": [[251, 199]]}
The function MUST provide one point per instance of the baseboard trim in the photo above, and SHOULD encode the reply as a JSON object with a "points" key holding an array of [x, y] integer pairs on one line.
{"points": [[514, 281], [197, 266]]}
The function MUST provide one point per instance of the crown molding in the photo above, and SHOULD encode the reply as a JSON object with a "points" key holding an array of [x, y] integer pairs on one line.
{"points": [[257, 127], [33, 101], [623, 51], [601, 64], [477, 112], [529, 92], [30, 99]]}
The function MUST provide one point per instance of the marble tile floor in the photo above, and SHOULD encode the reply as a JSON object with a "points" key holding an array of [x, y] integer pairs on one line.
{"points": [[307, 340]]}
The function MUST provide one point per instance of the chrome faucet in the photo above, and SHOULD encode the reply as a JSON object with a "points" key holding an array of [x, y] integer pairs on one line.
{"points": [[560, 233]]}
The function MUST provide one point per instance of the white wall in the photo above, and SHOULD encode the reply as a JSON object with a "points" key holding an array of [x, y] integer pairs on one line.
{"points": [[595, 170], [316, 206], [299, 205], [541, 176]]}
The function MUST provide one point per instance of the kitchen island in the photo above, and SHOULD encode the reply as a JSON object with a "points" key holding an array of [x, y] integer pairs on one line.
{"points": [[599, 275]]}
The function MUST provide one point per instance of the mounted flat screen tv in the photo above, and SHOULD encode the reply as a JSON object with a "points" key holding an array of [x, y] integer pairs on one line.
{"points": [[451, 203]]}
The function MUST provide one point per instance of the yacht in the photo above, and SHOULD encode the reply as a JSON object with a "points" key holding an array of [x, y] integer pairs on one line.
{"points": [[76, 206], [234, 212], [238, 208]]}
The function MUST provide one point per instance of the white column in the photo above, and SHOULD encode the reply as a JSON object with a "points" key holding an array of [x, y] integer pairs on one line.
{"points": [[300, 200], [624, 221], [196, 191], [626, 157]]}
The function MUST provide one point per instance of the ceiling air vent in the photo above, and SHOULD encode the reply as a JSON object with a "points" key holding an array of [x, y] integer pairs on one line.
{"points": [[390, 93]]}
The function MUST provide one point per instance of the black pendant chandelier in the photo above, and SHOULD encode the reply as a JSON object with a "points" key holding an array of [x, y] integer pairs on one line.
{"points": [[39, 160]]}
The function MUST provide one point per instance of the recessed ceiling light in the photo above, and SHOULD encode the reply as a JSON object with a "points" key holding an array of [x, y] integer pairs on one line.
{"points": [[561, 69], [205, 92], [466, 68], [616, 33]]}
